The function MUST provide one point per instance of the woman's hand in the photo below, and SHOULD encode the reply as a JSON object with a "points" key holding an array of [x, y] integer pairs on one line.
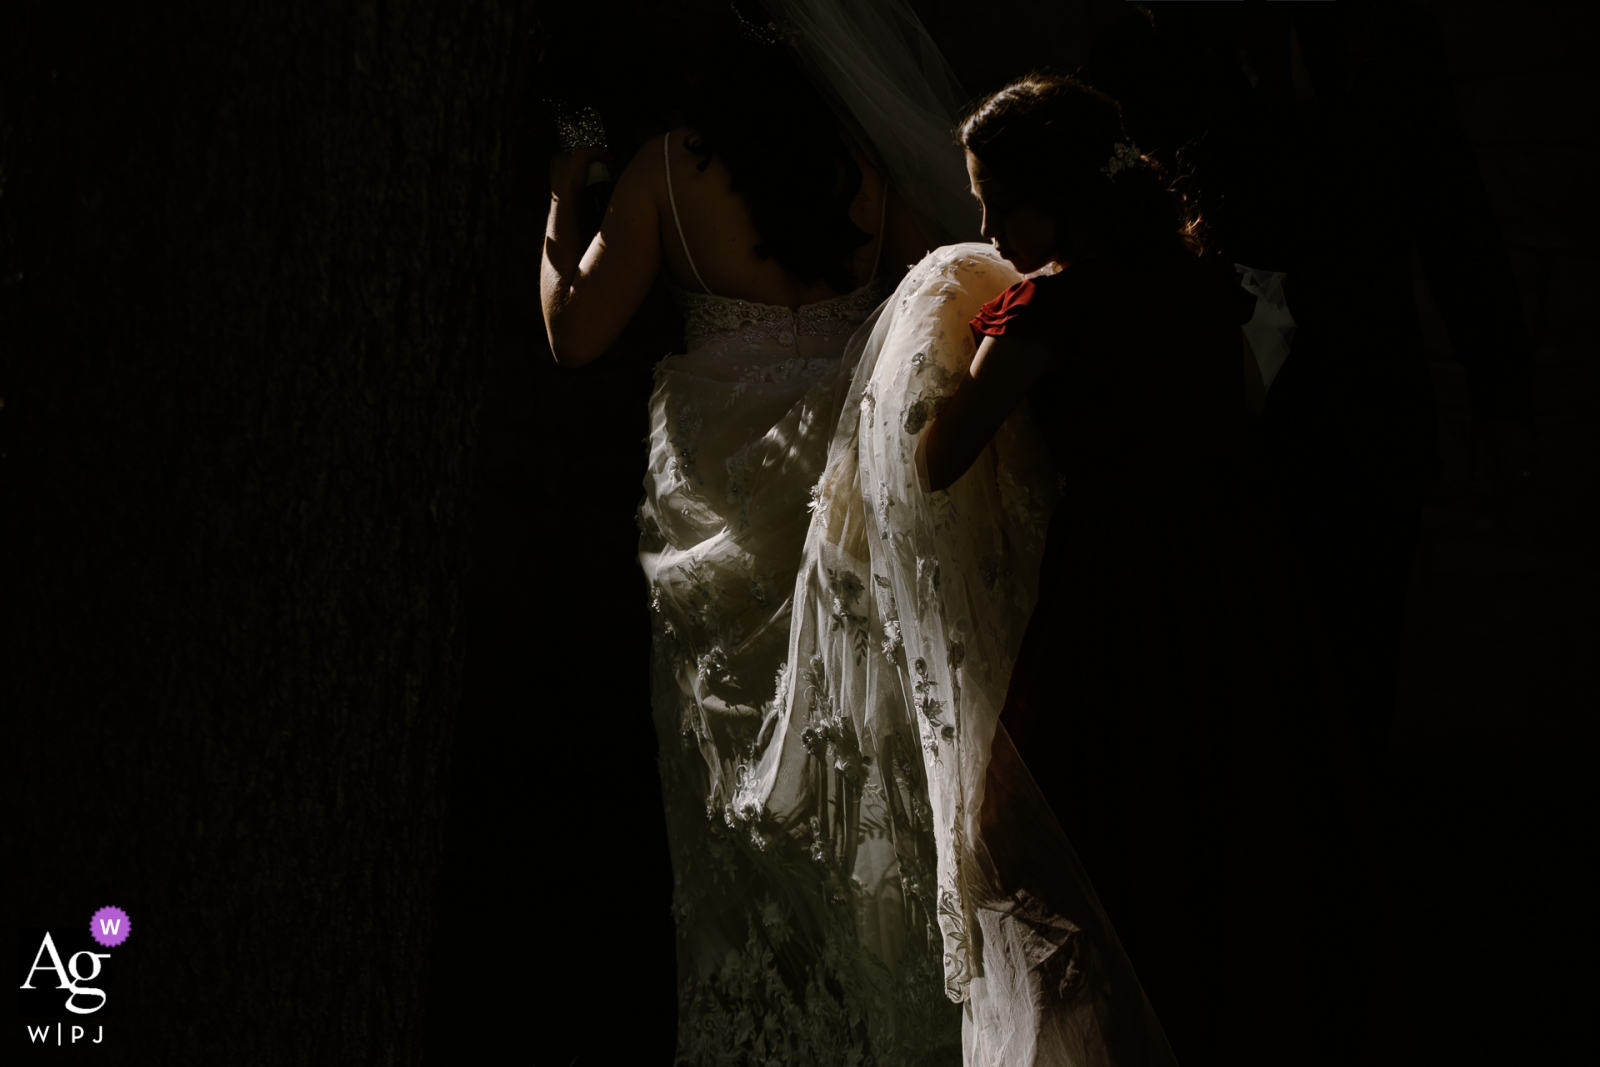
{"points": [[569, 172]]}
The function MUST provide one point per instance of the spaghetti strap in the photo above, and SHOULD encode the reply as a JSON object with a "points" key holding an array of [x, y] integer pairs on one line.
{"points": [[666, 158]]}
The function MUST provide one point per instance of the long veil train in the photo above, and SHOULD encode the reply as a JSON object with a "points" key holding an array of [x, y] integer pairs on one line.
{"points": [[908, 612]]}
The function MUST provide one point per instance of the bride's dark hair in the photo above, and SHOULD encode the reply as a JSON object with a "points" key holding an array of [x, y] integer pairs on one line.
{"points": [[753, 108], [1056, 139]]}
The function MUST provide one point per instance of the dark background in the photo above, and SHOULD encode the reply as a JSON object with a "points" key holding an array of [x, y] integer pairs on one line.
{"points": [[344, 565]]}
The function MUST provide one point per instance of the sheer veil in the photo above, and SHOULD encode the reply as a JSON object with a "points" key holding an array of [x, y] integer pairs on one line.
{"points": [[882, 750], [886, 74]]}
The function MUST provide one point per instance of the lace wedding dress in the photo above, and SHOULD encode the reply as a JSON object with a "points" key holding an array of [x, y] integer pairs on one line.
{"points": [[864, 873], [782, 949], [832, 649], [910, 609]]}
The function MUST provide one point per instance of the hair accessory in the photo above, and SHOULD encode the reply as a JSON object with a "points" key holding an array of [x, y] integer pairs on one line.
{"points": [[577, 127], [1123, 156]]}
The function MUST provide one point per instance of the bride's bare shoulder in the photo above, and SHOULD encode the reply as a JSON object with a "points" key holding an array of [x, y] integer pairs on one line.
{"points": [[667, 162], [686, 153], [646, 165], [672, 149]]}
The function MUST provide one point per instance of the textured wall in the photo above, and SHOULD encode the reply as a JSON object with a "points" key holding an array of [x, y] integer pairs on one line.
{"points": [[243, 251]]}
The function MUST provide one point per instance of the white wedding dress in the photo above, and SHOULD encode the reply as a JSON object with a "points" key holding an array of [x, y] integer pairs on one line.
{"points": [[910, 608], [832, 649], [792, 929]]}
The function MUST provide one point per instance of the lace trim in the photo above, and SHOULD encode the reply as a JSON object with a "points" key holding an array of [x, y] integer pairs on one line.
{"points": [[715, 318]]}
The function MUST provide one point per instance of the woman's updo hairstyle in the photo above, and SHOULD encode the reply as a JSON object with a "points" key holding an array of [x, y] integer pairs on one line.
{"points": [[1062, 144]]}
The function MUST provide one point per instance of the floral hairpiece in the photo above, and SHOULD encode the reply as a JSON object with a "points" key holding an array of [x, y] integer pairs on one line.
{"points": [[1123, 156]]}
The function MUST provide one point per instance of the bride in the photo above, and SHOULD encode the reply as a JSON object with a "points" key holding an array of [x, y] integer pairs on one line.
{"points": [[778, 236], [825, 706]]}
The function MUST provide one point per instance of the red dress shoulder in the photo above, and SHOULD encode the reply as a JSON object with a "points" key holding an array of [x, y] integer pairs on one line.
{"points": [[1005, 312]]}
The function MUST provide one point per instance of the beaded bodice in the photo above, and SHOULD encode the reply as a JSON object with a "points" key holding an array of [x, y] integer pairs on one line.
{"points": [[708, 319]]}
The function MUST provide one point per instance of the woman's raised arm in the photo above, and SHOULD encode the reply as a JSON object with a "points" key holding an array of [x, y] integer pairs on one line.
{"points": [[588, 300]]}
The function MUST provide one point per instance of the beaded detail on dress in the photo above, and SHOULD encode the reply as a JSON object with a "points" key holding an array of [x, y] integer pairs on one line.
{"points": [[709, 318]]}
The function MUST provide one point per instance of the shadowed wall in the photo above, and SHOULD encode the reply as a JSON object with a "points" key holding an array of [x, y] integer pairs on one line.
{"points": [[242, 303]]}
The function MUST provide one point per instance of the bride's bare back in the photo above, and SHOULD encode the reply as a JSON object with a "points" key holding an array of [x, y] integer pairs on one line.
{"points": [[722, 238], [585, 309]]}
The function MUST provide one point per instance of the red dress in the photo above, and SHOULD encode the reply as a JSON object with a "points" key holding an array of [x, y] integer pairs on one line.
{"points": [[1165, 697]]}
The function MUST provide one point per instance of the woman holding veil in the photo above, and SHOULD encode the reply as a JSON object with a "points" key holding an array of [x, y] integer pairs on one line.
{"points": [[824, 705]]}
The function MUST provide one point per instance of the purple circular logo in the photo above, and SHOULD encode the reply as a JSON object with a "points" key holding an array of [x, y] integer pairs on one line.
{"points": [[110, 926]]}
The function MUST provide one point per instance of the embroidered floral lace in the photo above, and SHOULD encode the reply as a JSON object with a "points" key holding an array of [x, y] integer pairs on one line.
{"points": [[831, 652], [803, 936]]}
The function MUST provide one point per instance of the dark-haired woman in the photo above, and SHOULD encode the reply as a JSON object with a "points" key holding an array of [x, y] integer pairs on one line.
{"points": [[778, 236], [1164, 697]]}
